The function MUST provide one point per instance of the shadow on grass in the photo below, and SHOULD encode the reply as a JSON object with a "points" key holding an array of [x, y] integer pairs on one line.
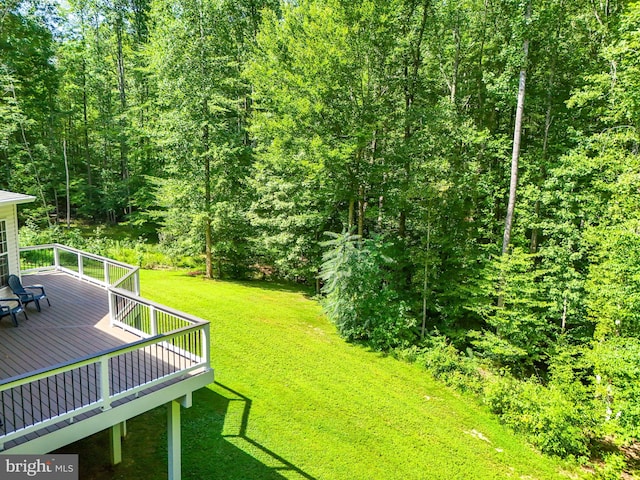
{"points": [[238, 410], [273, 285], [215, 444]]}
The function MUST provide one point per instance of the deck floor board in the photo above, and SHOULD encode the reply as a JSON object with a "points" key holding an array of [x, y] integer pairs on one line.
{"points": [[75, 325]]}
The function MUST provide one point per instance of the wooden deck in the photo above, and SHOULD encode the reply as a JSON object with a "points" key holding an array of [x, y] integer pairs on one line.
{"points": [[74, 326]]}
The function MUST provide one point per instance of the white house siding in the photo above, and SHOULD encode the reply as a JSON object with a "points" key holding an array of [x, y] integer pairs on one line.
{"points": [[8, 214]]}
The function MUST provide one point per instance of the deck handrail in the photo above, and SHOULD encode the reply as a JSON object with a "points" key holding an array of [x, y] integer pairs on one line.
{"points": [[75, 250], [63, 366], [173, 342], [19, 421], [104, 275], [158, 306]]}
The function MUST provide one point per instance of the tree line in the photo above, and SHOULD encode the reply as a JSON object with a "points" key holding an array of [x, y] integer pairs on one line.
{"points": [[466, 171]]}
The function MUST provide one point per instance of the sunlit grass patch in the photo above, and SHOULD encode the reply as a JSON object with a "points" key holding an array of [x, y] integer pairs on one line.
{"points": [[293, 400]]}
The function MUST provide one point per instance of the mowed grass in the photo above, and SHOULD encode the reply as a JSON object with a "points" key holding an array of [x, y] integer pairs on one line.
{"points": [[293, 400]]}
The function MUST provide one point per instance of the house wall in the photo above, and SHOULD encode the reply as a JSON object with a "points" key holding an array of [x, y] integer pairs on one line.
{"points": [[8, 213]]}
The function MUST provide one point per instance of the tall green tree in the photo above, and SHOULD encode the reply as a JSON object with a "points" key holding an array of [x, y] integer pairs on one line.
{"points": [[196, 52], [29, 83]]}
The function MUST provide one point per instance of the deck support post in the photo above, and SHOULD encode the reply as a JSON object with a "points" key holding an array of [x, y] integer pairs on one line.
{"points": [[173, 436], [115, 442]]}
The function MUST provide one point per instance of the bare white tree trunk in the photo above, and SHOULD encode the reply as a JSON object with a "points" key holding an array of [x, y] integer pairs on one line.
{"points": [[517, 135], [66, 173]]}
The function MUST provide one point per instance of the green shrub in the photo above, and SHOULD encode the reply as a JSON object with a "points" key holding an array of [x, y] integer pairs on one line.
{"points": [[412, 354], [359, 294], [613, 467], [545, 414], [132, 251], [447, 364], [31, 234], [520, 329], [617, 388]]}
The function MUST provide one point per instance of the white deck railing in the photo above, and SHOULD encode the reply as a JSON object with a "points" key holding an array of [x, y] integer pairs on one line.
{"points": [[173, 344], [86, 266]]}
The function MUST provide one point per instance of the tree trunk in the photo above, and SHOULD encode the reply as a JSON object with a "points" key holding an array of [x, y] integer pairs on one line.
{"points": [[362, 206], [548, 118], [480, 68], [456, 65], [402, 224], [85, 128], [565, 306], [8, 6], [55, 200], [412, 64], [515, 154], [85, 108], [517, 135], [208, 234], [124, 168], [533, 246], [425, 287], [66, 172], [352, 213], [207, 195]]}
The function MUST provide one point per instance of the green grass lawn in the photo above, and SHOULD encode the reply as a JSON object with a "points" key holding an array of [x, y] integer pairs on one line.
{"points": [[293, 400]]}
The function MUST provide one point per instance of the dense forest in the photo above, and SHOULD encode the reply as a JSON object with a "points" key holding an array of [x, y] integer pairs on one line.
{"points": [[460, 180]]}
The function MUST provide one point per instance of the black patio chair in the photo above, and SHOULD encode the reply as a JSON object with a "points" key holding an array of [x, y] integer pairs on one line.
{"points": [[25, 297], [12, 310]]}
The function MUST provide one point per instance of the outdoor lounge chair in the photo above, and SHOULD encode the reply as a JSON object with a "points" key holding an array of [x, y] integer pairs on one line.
{"points": [[12, 310], [25, 297]]}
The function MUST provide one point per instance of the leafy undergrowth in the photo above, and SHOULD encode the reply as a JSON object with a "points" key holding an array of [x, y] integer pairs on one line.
{"points": [[293, 400]]}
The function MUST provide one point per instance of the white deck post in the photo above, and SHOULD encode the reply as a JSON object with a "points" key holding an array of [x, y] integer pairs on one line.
{"points": [[115, 440], [107, 280], [111, 298], [137, 282], [105, 392], [206, 344], [80, 266], [153, 319], [173, 436]]}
